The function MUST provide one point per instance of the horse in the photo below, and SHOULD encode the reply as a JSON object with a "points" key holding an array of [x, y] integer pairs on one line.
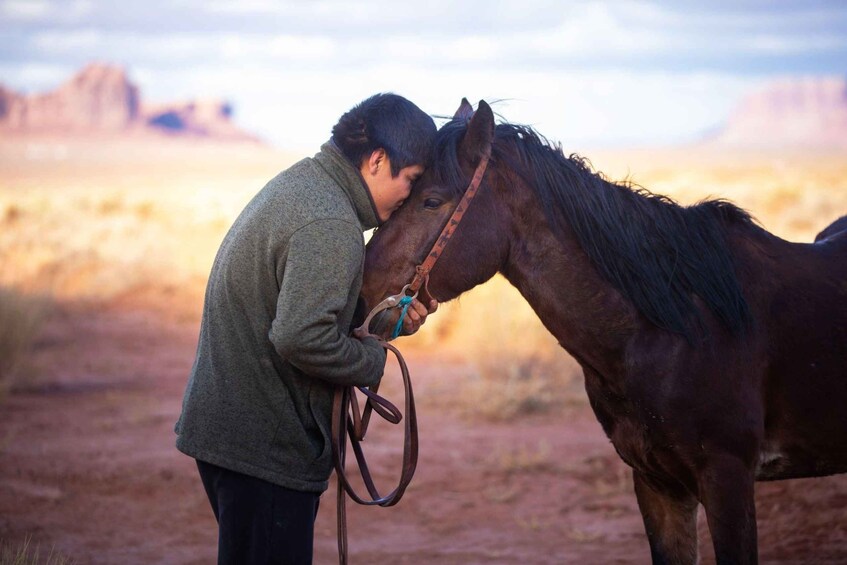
{"points": [[714, 353]]}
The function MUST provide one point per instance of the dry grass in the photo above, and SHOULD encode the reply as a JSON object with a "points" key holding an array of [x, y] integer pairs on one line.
{"points": [[24, 554], [517, 366], [94, 221], [521, 459], [101, 220]]}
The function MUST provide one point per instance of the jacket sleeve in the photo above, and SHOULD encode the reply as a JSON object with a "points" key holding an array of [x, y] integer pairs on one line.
{"points": [[316, 278]]}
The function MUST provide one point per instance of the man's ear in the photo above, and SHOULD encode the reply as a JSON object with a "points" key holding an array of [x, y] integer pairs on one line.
{"points": [[378, 158]]}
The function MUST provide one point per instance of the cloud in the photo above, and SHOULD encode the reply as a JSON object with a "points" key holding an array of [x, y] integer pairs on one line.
{"points": [[25, 10], [45, 11], [776, 44], [273, 47], [534, 34], [583, 71], [34, 77], [53, 43]]}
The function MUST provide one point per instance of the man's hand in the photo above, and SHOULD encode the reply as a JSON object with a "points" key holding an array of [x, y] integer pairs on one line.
{"points": [[416, 315]]}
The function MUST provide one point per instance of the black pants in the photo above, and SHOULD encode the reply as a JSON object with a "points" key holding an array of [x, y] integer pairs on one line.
{"points": [[259, 522]]}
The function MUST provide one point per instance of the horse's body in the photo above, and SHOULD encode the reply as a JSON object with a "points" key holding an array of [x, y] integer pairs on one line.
{"points": [[721, 362]]}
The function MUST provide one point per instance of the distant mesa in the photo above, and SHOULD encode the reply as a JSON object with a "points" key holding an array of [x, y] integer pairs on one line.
{"points": [[798, 112], [101, 99]]}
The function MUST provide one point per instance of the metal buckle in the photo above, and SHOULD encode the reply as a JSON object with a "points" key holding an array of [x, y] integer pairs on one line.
{"points": [[391, 302]]}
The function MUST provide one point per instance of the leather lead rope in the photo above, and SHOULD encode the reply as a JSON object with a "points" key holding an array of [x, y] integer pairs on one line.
{"points": [[349, 422]]}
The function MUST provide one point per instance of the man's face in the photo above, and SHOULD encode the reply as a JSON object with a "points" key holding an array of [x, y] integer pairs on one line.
{"points": [[388, 192]]}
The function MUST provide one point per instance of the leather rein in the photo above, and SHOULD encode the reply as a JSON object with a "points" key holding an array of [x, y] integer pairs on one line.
{"points": [[349, 422]]}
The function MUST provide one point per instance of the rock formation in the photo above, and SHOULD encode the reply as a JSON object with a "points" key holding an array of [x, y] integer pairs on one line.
{"points": [[101, 99], [801, 112]]}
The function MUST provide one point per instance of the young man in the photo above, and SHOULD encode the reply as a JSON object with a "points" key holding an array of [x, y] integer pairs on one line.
{"points": [[274, 339]]}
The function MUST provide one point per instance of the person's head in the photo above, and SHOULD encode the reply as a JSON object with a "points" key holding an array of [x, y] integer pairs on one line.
{"points": [[389, 140]]}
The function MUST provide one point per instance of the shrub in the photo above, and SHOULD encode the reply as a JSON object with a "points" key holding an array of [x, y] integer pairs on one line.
{"points": [[21, 317]]}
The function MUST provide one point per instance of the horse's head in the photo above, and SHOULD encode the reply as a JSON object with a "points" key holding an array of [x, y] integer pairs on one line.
{"points": [[477, 249]]}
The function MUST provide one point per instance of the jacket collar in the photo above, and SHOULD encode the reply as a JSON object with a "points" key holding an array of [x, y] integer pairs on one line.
{"points": [[348, 177]]}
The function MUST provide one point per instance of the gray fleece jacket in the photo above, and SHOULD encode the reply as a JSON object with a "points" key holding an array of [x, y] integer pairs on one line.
{"points": [[274, 338]]}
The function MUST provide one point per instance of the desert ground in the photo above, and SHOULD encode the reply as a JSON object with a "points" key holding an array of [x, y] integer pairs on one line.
{"points": [[105, 245]]}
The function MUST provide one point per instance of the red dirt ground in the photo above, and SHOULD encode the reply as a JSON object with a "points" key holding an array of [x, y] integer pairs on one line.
{"points": [[87, 465]]}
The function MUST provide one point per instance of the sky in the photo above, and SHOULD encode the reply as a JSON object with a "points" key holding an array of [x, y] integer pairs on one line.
{"points": [[584, 73]]}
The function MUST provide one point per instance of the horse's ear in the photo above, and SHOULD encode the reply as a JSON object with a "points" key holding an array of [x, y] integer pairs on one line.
{"points": [[464, 112], [480, 134]]}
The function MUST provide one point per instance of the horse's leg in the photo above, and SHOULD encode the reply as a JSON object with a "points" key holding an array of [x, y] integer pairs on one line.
{"points": [[726, 491], [670, 518]]}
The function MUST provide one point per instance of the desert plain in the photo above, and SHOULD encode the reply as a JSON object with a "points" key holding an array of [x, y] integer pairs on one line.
{"points": [[105, 245]]}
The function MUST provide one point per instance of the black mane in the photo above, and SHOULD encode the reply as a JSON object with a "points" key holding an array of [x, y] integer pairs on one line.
{"points": [[657, 253]]}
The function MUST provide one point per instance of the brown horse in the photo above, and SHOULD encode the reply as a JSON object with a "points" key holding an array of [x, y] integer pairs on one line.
{"points": [[714, 353]]}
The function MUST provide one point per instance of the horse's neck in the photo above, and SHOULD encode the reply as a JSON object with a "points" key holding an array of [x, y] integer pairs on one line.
{"points": [[584, 312]]}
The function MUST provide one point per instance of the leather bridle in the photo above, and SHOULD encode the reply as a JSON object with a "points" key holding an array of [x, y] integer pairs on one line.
{"points": [[422, 271], [349, 422]]}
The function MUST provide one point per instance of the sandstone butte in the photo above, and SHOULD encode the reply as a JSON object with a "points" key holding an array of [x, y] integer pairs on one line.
{"points": [[797, 112], [100, 99]]}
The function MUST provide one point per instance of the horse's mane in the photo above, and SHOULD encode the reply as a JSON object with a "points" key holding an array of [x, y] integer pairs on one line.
{"points": [[657, 253]]}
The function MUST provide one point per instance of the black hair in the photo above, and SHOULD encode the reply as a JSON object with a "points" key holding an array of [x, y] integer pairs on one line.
{"points": [[390, 122]]}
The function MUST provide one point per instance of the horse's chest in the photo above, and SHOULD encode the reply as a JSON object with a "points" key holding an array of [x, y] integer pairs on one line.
{"points": [[632, 430], [627, 433]]}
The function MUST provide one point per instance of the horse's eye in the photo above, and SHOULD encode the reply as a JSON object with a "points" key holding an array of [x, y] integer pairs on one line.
{"points": [[432, 203]]}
